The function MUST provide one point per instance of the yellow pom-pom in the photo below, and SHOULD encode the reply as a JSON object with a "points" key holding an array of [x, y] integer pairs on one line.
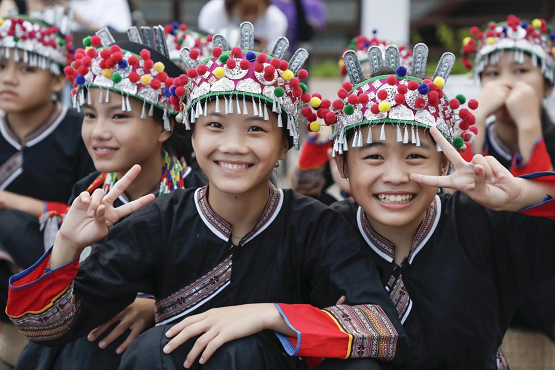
{"points": [[439, 82], [536, 23], [1, 21], [469, 74], [287, 75], [384, 106], [314, 126], [159, 67], [219, 72], [553, 50], [107, 73], [145, 79], [315, 102], [466, 40], [87, 48], [341, 63], [491, 40]]}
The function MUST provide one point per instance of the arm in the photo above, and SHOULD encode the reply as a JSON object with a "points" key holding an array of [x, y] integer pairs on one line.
{"points": [[539, 160], [32, 206]]}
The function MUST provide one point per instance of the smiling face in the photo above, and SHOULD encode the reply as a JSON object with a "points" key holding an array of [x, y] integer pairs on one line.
{"points": [[24, 88], [379, 175], [117, 140], [237, 152]]}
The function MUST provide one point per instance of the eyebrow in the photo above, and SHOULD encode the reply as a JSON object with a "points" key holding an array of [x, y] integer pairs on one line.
{"points": [[372, 145]]}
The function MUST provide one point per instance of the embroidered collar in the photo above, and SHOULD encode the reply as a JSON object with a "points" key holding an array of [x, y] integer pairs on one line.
{"points": [[386, 249], [222, 229], [37, 135]]}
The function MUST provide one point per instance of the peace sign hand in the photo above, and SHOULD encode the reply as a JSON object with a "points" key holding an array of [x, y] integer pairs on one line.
{"points": [[484, 179], [90, 216]]}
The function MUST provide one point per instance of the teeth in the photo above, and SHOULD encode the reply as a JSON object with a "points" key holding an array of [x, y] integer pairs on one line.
{"points": [[233, 166], [104, 150], [390, 198]]}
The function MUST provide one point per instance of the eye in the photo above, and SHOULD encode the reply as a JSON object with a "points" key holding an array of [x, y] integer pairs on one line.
{"points": [[416, 156], [255, 129], [28, 69], [89, 115], [215, 125], [120, 116], [521, 71], [491, 73], [374, 157]]}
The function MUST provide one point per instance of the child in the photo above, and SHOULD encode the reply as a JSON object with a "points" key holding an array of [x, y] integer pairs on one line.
{"points": [[454, 269], [238, 240], [116, 139], [179, 36], [516, 65], [41, 151]]}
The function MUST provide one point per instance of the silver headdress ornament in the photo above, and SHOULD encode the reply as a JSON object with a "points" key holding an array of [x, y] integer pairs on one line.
{"points": [[239, 74]]}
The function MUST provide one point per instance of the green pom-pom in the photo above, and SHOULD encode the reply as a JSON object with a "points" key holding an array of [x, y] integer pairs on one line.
{"points": [[116, 78], [16, 39], [87, 41], [180, 41], [349, 109], [279, 92], [458, 142], [62, 42], [461, 98], [303, 87], [224, 58]]}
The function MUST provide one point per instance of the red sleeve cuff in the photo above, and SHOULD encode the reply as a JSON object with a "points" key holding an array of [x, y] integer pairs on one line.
{"points": [[468, 153], [56, 207], [547, 207], [539, 161], [314, 154], [36, 288]]}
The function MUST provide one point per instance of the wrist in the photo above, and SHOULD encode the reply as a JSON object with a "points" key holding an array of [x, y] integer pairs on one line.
{"points": [[66, 247]]}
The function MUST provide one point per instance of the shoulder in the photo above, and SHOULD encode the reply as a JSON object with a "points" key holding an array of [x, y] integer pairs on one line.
{"points": [[307, 210], [194, 179]]}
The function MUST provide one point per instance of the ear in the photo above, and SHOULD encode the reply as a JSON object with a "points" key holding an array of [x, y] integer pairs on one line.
{"points": [[444, 164], [340, 162], [284, 148], [58, 83], [165, 135]]}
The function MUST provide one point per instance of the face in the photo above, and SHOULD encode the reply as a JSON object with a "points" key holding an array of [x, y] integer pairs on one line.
{"points": [[237, 152], [249, 10], [24, 88], [117, 140], [379, 175]]}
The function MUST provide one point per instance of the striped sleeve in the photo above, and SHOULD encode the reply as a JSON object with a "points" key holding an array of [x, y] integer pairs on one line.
{"points": [[339, 331], [547, 207], [41, 303], [539, 161]]}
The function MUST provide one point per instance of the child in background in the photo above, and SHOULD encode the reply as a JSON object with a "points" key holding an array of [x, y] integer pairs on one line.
{"points": [[238, 240], [41, 151], [455, 265]]}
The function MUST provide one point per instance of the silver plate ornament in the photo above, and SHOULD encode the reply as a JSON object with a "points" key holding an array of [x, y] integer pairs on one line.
{"points": [[247, 36], [102, 81], [105, 37], [446, 63], [402, 113], [419, 60], [280, 48], [354, 69], [260, 77], [269, 92], [186, 59], [425, 117], [149, 94], [250, 86], [223, 84], [160, 41], [236, 73], [134, 36], [147, 36], [219, 40], [297, 60], [375, 59], [392, 58]]}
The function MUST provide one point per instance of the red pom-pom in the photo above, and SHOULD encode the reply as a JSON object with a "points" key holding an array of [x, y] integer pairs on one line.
{"points": [[399, 98], [382, 94], [317, 95], [91, 53], [306, 111], [363, 99], [303, 74], [467, 136], [177, 82], [83, 71], [473, 104], [134, 77], [104, 53], [155, 84], [194, 54], [338, 105], [342, 93], [347, 86], [294, 82], [276, 63], [297, 92], [180, 91], [463, 125], [261, 58], [96, 41], [202, 69], [308, 126], [145, 54], [432, 86], [111, 62], [440, 93], [375, 109], [474, 30], [162, 76], [313, 117], [463, 113], [270, 70], [413, 85], [330, 118], [353, 99], [268, 77], [168, 28], [284, 65], [258, 67], [244, 64], [321, 113], [427, 81], [474, 130], [391, 80], [402, 89], [192, 73], [115, 49], [183, 79], [118, 56], [133, 60], [420, 103], [454, 104], [471, 119], [169, 81], [174, 99], [305, 98], [326, 104], [101, 64], [433, 95], [231, 63], [216, 52], [236, 52], [183, 27], [149, 63]]}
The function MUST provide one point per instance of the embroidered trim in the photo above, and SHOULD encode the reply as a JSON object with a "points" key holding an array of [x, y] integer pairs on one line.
{"points": [[371, 332], [195, 294], [11, 169], [52, 323], [400, 298]]}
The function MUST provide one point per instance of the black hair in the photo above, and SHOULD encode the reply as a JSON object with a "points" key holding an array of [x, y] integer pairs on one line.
{"points": [[179, 143]]}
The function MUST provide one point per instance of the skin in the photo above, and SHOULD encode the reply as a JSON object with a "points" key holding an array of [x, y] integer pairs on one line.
{"points": [[513, 92], [395, 167], [238, 195], [26, 97]]}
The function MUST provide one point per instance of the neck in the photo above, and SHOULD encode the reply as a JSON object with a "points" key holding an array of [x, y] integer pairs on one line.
{"points": [[506, 132], [23, 123], [149, 178], [240, 210]]}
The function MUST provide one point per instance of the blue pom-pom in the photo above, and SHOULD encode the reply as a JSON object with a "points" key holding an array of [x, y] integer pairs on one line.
{"points": [[175, 25], [552, 36], [504, 30], [374, 31], [423, 89], [401, 71], [524, 24], [172, 91], [80, 80], [366, 44], [123, 64], [167, 92], [251, 56]]}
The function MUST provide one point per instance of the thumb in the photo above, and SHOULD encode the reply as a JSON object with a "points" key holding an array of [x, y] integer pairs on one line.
{"points": [[340, 301]]}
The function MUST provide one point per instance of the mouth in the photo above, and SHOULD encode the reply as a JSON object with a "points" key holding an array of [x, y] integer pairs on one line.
{"points": [[395, 198], [7, 93], [104, 150], [234, 166]]}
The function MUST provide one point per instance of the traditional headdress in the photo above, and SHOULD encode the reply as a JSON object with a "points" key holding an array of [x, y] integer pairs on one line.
{"points": [[139, 68], [516, 36], [179, 36], [404, 99], [44, 37], [240, 74], [360, 45]]}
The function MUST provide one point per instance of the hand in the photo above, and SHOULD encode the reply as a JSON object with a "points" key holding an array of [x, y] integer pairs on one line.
{"points": [[484, 179], [2, 199], [492, 97], [340, 301], [221, 325], [524, 105], [90, 216], [138, 316]]}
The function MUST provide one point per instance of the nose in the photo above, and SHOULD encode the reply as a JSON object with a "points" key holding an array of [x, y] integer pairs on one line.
{"points": [[233, 142], [9, 75], [395, 173], [101, 130]]}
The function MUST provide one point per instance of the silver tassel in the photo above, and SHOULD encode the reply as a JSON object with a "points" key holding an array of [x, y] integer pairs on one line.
{"points": [[217, 110], [167, 125], [231, 104], [100, 99], [260, 113], [413, 138], [89, 98], [151, 110], [122, 103], [359, 142], [74, 100], [254, 107], [406, 137], [245, 108], [417, 138], [345, 146], [438, 148], [280, 122], [205, 107], [382, 134], [266, 117], [399, 135], [128, 103], [199, 108], [81, 97], [274, 106], [186, 121], [355, 139], [143, 112], [238, 105], [369, 138], [192, 116], [107, 100], [226, 108]]}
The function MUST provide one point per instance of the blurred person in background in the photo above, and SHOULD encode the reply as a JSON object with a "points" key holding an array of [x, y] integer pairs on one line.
{"points": [[305, 17]]}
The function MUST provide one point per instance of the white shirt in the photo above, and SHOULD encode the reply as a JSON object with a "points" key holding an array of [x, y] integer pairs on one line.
{"points": [[103, 13]]}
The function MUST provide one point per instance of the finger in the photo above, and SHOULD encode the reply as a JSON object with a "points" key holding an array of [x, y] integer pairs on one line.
{"points": [[498, 170], [340, 301], [135, 205], [135, 332], [437, 181], [177, 328], [448, 149], [183, 336], [212, 347], [82, 201], [480, 160], [200, 345], [480, 187], [115, 333], [95, 333], [121, 185], [95, 201]]}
